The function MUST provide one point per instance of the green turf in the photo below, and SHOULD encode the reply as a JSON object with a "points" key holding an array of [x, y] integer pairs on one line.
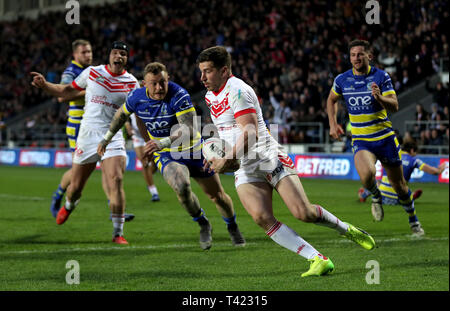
{"points": [[164, 253]]}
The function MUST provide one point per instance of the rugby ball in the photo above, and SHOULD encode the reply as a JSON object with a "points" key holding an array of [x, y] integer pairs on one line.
{"points": [[215, 147]]}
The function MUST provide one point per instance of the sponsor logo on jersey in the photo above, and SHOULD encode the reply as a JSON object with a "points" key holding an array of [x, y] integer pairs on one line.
{"points": [[157, 125], [359, 100]]}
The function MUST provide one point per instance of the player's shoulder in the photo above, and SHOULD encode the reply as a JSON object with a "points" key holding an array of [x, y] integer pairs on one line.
{"points": [[379, 72], [137, 94], [129, 75], [344, 75], [176, 91], [73, 69], [237, 86]]}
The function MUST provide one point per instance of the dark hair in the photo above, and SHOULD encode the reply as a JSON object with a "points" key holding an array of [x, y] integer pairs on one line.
{"points": [[218, 55], [362, 43], [408, 145], [154, 68], [78, 42]]}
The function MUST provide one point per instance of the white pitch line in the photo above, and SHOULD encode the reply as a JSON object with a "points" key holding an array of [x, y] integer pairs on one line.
{"points": [[131, 247], [20, 197]]}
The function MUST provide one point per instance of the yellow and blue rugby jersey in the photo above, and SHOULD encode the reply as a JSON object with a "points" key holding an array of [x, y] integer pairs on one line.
{"points": [[160, 116], [368, 118], [409, 163], [76, 107]]}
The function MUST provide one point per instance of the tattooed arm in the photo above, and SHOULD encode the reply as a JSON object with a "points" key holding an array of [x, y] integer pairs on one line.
{"points": [[183, 132], [116, 124]]}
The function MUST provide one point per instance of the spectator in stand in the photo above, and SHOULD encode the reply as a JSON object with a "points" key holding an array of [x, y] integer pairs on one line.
{"points": [[288, 47], [440, 94]]}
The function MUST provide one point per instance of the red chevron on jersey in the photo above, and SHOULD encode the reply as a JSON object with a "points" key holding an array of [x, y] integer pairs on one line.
{"points": [[220, 108]]}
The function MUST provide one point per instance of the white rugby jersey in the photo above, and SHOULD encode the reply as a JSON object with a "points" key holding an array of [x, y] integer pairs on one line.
{"points": [[234, 99], [105, 93]]}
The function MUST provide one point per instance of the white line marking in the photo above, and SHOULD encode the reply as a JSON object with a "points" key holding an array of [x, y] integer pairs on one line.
{"points": [[131, 247], [20, 197]]}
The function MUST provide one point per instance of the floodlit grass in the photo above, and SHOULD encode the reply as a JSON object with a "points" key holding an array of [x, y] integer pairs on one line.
{"points": [[164, 254]]}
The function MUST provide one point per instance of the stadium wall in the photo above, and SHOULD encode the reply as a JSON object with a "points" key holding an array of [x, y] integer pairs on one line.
{"points": [[310, 165]]}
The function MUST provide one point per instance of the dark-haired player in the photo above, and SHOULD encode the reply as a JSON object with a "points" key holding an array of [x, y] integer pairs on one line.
{"points": [[409, 162], [369, 94], [107, 87]]}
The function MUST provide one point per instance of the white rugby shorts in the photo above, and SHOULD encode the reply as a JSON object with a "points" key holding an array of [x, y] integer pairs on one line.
{"points": [[138, 141], [281, 168], [87, 143]]}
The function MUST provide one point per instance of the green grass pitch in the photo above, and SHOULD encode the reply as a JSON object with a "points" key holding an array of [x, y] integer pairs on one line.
{"points": [[164, 254]]}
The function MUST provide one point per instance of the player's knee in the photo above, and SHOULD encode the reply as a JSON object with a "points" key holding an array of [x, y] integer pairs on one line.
{"points": [[264, 220], [117, 180], [183, 190], [304, 213], [219, 198]]}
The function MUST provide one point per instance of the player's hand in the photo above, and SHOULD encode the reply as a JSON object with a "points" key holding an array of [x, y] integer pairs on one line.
{"points": [[207, 166], [38, 80], [442, 167], [221, 165], [336, 131], [376, 93], [218, 165], [101, 148], [151, 146]]}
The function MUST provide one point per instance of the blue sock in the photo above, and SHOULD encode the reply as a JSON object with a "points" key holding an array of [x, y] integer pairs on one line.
{"points": [[59, 193], [366, 193], [408, 205], [200, 218], [230, 220], [376, 194]]}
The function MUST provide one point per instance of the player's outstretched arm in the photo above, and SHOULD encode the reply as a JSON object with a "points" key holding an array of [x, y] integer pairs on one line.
{"points": [[335, 129], [120, 117], [57, 90], [434, 170], [79, 95]]}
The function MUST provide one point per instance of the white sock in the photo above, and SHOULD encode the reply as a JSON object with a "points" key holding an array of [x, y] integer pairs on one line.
{"points": [[325, 218], [288, 238], [152, 190], [69, 205], [118, 220]]}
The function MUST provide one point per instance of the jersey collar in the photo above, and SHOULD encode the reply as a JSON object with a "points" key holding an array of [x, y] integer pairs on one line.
{"points": [[223, 86], [77, 64], [368, 71], [114, 74]]}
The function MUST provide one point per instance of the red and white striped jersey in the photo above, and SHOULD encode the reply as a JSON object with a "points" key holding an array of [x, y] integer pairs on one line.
{"points": [[235, 99], [105, 93]]}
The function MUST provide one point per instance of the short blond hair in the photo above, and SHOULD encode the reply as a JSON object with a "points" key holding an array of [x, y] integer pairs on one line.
{"points": [[154, 68], [78, 42]]}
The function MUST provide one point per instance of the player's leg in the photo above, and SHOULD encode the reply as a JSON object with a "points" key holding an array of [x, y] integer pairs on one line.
{"points": [[59, 193], [128, 217], [178, 178], [72, 130], [80, 175], [147, 172], [291, 191], [212, 187], [257, 200], [405, 197], [113, 168], [365, 166]]}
